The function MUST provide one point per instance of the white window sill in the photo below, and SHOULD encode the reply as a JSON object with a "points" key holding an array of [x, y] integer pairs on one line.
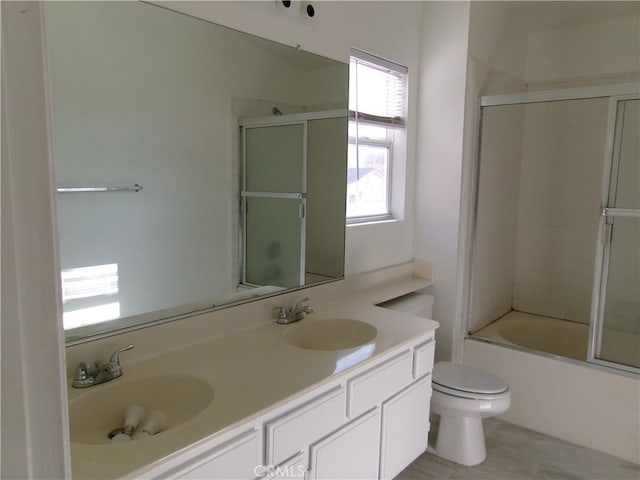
{"points": [[367, 222]]}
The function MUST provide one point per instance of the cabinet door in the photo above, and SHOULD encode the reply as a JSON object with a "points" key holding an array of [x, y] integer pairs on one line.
{"points": [[293, 469], [405, 428], [350, 453], [234, 460]]}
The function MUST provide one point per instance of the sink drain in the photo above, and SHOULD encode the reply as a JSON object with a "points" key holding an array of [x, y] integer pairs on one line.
{"points": [[115, 432]]}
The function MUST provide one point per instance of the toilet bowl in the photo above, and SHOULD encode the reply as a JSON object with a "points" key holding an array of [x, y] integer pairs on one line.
{"points": [[462, 397]]}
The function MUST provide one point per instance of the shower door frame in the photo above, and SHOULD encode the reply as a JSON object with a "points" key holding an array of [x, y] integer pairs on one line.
{"points": [[623, 90], [301, 196], [276, 121], [603, 249]]}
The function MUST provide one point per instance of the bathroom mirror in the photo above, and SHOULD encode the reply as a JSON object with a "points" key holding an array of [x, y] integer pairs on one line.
{"points": [[197, 167]]}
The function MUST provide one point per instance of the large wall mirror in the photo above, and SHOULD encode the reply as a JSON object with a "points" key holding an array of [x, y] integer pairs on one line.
{"points": [[196, 166]]}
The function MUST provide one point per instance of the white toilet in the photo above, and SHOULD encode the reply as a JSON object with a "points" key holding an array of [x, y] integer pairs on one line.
{"points": [[462, 397]]}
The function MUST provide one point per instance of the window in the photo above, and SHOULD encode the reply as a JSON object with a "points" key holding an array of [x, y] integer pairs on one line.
{"points": [[377, 104]]}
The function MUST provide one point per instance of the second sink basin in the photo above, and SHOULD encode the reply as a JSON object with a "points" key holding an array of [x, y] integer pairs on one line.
{"points": [[330, 334], [100, 409]]}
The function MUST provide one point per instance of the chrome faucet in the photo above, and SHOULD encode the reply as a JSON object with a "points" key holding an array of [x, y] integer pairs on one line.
{"points": [[101, 372], [295, 314]]}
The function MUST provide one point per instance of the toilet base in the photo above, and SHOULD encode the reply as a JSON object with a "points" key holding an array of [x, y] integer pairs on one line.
{"points": [[461, 440]]}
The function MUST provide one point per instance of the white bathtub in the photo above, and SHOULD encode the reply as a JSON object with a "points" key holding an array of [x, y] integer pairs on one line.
{"points": [[542, 334], [560, 337], [561, 394]]}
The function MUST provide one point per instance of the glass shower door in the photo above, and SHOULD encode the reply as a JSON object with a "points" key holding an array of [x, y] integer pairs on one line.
{"points": [[273, 204], [617, 327]]}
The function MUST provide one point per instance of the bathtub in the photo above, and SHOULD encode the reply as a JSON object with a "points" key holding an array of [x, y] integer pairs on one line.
{"points": [[542, 334], [562, 397], [562, 338]]}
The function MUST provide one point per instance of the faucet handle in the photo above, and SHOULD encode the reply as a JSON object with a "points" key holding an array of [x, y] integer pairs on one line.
{"points": [[115, 356], [81, 377], [299, 304], [283, 314], [114, 360]]}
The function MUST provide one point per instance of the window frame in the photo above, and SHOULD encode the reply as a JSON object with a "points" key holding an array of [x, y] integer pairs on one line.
{"points": [[391, 125]]}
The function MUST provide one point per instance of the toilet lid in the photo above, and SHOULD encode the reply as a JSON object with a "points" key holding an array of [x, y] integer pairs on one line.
{"points": [[467, 379]]}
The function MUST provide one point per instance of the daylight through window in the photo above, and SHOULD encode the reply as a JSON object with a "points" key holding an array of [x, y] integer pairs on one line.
{"points": [[377, 105]]}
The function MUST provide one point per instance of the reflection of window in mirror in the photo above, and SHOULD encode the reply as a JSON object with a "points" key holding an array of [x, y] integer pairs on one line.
{"points": [[88, 295], [377, 105]]}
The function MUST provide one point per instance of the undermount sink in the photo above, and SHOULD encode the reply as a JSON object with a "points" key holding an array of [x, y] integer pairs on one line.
{"points": [[99, 410], [330, 334]]}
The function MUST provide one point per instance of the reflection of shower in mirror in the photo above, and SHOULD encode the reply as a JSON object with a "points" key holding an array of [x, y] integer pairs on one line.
{"points": [[169, 123]]}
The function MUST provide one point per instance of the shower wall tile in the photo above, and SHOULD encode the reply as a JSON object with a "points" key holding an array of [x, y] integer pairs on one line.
{"points": [[576, 237], [541, 307], [495, 252], [541, 177], [559, 207], [578, 312]]}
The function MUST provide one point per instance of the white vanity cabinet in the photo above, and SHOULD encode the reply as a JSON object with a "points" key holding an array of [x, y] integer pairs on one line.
{"points": [[385, 428], [368, 424]]}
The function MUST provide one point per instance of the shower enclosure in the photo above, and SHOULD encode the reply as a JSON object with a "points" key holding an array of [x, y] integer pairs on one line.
{"points": [[556, 244], [293, 189]]}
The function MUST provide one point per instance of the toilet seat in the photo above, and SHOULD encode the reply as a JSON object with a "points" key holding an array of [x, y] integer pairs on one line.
{"points": [[467, 382], [468, 395]]}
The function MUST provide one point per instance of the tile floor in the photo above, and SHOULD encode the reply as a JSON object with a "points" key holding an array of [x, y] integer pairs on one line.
{"points": [[515, 453]]}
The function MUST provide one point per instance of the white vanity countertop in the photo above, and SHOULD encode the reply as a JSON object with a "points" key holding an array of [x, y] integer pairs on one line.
{"points": [[250, 371]]}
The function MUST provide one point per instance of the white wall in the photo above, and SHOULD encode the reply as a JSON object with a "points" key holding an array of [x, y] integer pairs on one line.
{"points": [[497, 49], [600, 49], [440, 146], [35, 439]]}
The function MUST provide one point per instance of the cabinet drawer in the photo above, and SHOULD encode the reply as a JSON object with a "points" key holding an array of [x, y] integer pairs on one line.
{"points": [[423, 359], [233, 460], [379, 383], [294, 431]]}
